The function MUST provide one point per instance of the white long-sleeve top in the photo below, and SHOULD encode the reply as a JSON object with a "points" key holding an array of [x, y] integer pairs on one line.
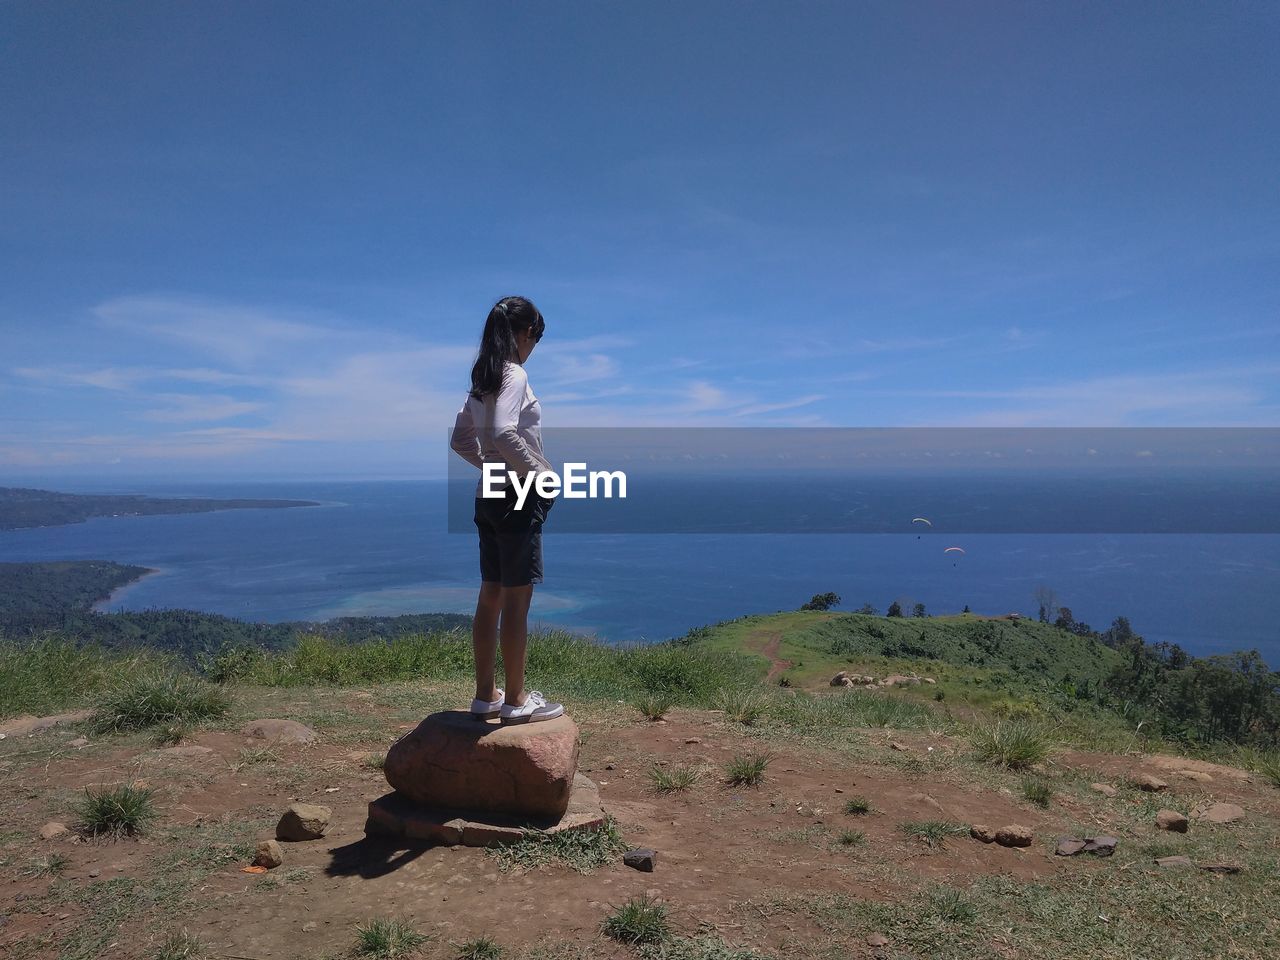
{"points": [[505, 427]]}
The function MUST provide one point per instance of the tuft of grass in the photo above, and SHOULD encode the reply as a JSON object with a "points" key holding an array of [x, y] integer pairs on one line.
{"points": [[851, 838], [640, 920], [933, 833], [670, 780], [159, 697], [481, 948], [1016, 744], [951, 906], [743, 705], [581, 850], [180, 946], [1037, 790], [1269, 767], [747, 769], [375, 761], [387, 938], [857, 806], [171, 735], [653, 706], [116, 811], [54, 865]]}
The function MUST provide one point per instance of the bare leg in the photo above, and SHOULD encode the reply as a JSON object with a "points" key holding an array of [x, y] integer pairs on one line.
{"points": [[515, 635], [484, 638]]}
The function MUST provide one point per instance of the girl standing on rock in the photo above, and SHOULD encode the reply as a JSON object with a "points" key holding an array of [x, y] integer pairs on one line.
{"points": [[500, 422]]}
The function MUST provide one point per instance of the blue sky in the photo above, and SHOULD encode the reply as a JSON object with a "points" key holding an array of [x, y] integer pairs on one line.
{"points": [[259, 239]]}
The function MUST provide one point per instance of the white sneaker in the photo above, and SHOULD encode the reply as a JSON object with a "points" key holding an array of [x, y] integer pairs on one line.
{"points": [[484, 710], [534, 708]]}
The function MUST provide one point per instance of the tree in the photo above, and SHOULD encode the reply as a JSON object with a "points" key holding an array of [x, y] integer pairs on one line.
{"points": [[868, 609], [1119, 634], [1065, 620], [918, 610], [895, 609], [822, 601], [1046, 601], [966, 609]]}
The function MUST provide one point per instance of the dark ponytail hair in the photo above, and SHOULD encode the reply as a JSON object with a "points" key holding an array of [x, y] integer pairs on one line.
{"points": [[509, 316]]}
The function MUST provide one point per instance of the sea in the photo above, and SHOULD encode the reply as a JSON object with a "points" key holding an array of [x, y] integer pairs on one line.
{"points": [[385, 547]]}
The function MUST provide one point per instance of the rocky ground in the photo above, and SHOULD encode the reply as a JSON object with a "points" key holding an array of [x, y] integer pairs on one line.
{"points": [[782, 868]]}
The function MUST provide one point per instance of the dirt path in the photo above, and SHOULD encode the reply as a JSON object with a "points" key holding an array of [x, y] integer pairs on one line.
{"points": [[776, 666]]}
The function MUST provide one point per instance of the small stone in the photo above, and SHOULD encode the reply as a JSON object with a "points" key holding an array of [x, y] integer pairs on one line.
{"points": [[280, 731], [1103, 788], [310, 925], [1149, 783], [1069, 846], [78, 742], [303, 821], [901, 747], [268, 854], [1171, 820], [642, 859], [1175, 863], [980, 831], [1100, 846], [95, 873], [1014, 835], [1221, 813], [53, 830], [877, 940], [1196, 775], [1228, 868], [692, 740]]}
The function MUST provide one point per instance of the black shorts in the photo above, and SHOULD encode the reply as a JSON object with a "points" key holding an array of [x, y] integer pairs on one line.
{"points": [[511, 539]]}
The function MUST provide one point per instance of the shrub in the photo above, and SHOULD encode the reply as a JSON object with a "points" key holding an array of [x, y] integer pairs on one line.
{"points": [[851, 838], [748, 769], [676, 778], [180, 946], [123, 809], [639, 920], [384, 939], [740, 704], [157, 697], [1015, 744]]}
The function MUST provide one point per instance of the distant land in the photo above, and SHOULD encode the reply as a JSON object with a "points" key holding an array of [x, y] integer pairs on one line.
{"points": [[58, 597], [25, 507]]}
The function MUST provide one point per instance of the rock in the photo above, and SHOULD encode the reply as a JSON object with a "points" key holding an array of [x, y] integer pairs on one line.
{"points": [[450, 760], [269, 854], [95, 873], [1100, 846], [877, 940], [303, 821], [1221, 867], [25, 724], [1014, 835], [692, 740], [1175, 863], [53, 830], [900, 747], [1221, 813], [1171, 820], [78, 742], [642, 859], [1149, 783], [1103, 788], [897, 680], [980, 831], [1197, 775], [280, 731], [1069, 846], [841, 679]]}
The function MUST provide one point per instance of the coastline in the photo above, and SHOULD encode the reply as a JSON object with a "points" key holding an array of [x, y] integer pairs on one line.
{"points": [[98, 605]]}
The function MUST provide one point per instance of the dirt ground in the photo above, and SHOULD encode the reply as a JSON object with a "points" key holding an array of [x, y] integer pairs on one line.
{"points": [[725, 853]]}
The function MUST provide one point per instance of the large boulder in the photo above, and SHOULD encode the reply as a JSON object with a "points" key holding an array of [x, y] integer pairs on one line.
{"points": [[453, 761]]}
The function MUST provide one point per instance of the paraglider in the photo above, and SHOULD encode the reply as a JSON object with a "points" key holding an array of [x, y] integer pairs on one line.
{"points": [[924, 520], [954, 550]]}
